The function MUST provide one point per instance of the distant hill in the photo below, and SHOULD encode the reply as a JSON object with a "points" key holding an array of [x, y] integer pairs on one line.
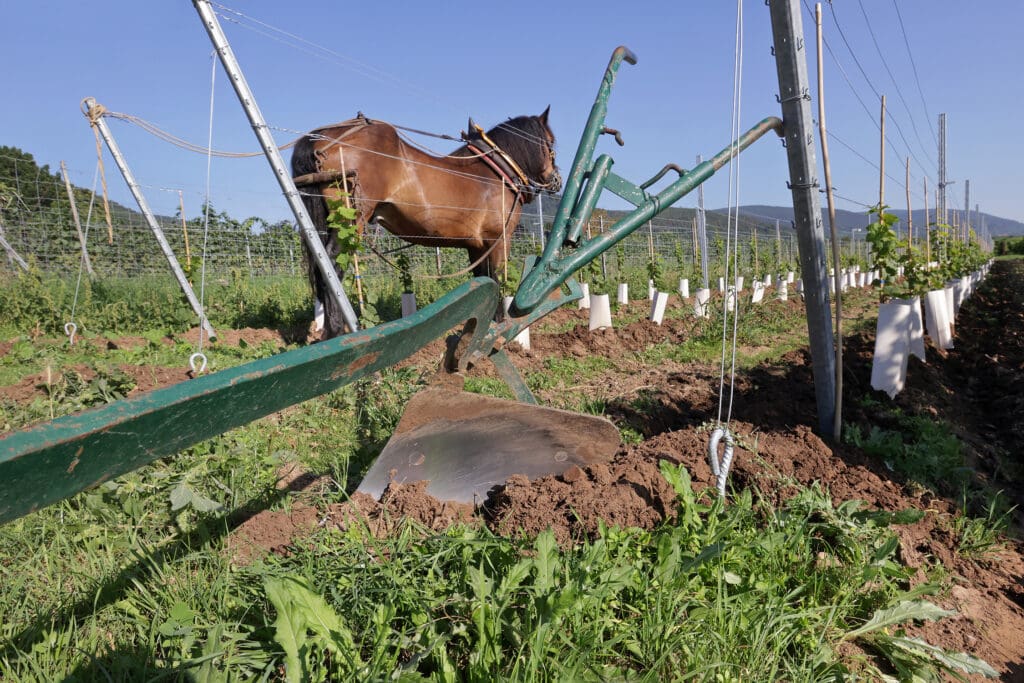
{"points": [[761, 215], [848, 220]]}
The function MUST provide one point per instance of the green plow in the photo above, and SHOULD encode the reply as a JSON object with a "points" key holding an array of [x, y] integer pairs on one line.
{"points": [[463, 444]]}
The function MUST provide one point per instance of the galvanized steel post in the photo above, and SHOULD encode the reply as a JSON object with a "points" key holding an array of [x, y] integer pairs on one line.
{"points": [[794, 88], [284, 178], [95, 116]]}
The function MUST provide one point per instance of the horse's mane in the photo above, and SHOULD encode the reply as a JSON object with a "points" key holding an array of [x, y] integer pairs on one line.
{"points": [[522, 138]]}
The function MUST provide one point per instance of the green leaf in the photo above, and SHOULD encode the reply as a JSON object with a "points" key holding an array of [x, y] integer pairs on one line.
{"points": [[181, 496], [969, 664], [904, 611], [181, 612], [546, 560], [882, 518], [289, 627], [515, 577]]}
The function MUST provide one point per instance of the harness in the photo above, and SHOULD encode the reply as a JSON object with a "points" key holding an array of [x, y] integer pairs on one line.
{"points": [[506, 168]]}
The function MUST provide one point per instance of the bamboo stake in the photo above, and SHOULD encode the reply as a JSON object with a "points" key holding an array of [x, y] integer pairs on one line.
{"points": [[184, 229], [910, 216], [355, 257], [78, 223], [756, 267], [693, 233], [837, 423], [881, 165], [927, 227]]}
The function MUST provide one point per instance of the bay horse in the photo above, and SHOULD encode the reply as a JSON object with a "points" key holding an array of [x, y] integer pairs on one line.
{"points": [[471, 199]]}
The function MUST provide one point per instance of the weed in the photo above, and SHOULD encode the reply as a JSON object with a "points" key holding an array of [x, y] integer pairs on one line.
{"points": [[982, 536]]}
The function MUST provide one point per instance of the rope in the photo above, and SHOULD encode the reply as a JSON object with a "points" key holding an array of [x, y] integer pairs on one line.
{"points": [[94, 114], [99, 111], [173, 139], [158, 132], [445, 276]]}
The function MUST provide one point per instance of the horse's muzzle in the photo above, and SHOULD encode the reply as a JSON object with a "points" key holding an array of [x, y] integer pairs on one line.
{"points": [[554, 183]]}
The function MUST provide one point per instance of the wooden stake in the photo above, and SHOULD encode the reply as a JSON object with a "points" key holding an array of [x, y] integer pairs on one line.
{"points": [[184, 229], [927, 227], [74, 216], [881, 162], [910, 216], [834, 233]]}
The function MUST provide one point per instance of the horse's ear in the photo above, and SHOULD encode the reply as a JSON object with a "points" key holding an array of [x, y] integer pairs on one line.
{"points": [[471, 127], [544, 117]]}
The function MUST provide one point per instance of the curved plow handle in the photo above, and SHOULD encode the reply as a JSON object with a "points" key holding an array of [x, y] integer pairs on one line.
{"points": [[585, 152]]}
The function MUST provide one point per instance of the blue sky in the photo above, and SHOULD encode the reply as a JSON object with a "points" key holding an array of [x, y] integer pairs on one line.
{"points": [[431, 65]]}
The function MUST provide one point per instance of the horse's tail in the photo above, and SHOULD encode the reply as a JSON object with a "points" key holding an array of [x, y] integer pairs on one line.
{"points": [[304, 161]]}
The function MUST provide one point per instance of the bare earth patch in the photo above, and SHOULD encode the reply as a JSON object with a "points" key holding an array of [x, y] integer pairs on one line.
{"points": [[778, 450]]}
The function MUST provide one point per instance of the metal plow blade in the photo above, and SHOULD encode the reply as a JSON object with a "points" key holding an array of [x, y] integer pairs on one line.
{"points": [[465, 444]]}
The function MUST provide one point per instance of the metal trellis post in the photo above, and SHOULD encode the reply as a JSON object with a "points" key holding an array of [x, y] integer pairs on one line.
{"points": [[284, 178], [794, 87], [94, 113]]}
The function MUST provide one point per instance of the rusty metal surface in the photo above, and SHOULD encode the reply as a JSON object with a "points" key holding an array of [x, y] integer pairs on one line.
{"points": [[465, 444]]}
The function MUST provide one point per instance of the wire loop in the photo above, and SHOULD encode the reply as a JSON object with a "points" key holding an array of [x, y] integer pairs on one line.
{"points": [[69, 330], [720, 466], [198, 355]]}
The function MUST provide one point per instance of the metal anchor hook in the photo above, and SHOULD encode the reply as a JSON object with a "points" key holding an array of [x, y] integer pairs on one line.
{"points": [[199, 356], [720, 467]]}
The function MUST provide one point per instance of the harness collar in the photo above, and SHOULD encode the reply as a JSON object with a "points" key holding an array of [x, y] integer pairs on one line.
{"points": [[502, 155], [503, 171]]}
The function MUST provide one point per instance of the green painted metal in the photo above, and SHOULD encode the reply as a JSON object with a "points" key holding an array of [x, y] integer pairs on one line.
{"points": [[50, 462], [621, 187], [555, 267], [509, 373], [596, 180], [585, 152], [589, 178], [47, 463]]}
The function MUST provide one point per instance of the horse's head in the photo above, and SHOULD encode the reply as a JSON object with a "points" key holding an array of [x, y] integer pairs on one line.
{"points": [[529, 140]]}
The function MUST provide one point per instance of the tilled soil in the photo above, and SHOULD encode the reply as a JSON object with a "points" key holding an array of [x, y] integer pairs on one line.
{"points": [[977, 388]]}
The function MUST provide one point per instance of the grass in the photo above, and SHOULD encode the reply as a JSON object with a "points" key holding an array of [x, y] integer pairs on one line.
{"points": [[928, 455], [41, 302], [743, 593], [131, 580]]}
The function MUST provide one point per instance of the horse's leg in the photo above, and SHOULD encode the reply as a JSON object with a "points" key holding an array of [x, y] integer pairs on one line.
{"points": [[334, 319], [489, 265]]}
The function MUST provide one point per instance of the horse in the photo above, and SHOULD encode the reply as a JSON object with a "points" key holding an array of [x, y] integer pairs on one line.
{"points": [[471, 199]]}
